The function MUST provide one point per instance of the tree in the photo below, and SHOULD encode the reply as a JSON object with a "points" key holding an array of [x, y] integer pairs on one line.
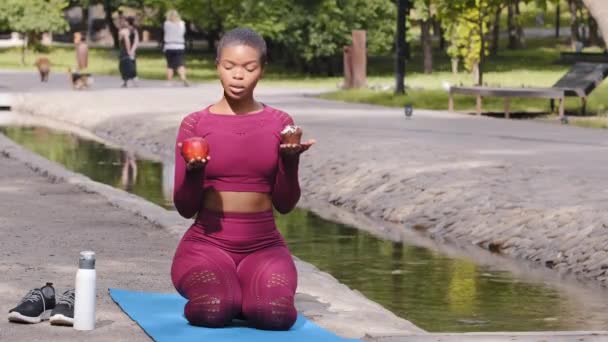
{"points": [[210, 15], [112, 6], [573, 6], [496, 33], [594, 36], [310, 35], [466, 24], [599, 11], [424, 13], [514, 26], [307, 34], [32, 18]]}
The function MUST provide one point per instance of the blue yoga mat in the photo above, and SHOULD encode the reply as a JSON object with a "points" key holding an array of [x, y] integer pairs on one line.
{"points": [[161, 317]]}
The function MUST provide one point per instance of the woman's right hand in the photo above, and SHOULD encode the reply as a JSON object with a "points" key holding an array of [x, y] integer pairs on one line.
{"points": [[195, 163]]}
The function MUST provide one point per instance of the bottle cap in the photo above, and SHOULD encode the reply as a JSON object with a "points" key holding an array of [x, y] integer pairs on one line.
{"points": [[87, 260]]}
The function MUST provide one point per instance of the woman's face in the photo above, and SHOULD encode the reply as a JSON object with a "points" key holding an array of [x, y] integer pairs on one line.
{"points": [[240, 70]]}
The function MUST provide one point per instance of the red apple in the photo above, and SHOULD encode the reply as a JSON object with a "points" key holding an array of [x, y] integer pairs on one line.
{"points": [[194, 148]]}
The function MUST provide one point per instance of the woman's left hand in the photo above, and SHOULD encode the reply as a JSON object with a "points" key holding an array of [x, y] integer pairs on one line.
{"points": [[296, 149]]}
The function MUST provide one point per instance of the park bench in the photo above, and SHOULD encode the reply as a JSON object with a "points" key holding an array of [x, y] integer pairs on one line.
{"points": [[575, 57], [579, 81], [507, 94]]}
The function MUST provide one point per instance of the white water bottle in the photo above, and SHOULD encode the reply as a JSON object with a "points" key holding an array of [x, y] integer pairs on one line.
{"points": [[84, 302]]}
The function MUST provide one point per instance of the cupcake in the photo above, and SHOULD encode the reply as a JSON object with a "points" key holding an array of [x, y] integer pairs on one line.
{"points": [[291, 134]]}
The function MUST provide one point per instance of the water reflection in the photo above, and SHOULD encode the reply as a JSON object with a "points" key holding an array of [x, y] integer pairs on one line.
{"points": [[102, 164], [129, 171], [168, 173], [433, 291]]}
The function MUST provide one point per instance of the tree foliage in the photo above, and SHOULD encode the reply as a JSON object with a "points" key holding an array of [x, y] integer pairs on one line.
{"points": [[466, 24], [301, 31], [33, 17]]}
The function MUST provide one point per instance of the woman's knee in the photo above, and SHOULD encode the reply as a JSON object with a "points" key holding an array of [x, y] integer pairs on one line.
{"points": [[209, 311], [269, 280], [214, 296], [271, 314]]}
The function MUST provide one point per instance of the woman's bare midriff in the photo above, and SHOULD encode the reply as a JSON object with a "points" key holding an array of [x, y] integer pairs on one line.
{"points": [[237, 202]]}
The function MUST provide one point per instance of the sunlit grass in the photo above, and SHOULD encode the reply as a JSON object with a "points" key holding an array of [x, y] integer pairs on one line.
{"points": [[438, 99], [535, 66]]}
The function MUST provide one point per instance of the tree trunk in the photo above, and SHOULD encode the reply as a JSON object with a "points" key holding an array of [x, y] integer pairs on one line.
{"points": [[210, 44], [84, 23], [427, 45], [109, 9], [438, 32], [89, 24], [557, 21], [599, 10], [574, 36], [476, 75], [481, 63], [400, 47], [23, 48], [581, 20], [594, 35], [482, 40], [212, 37], [521, 41], [496, 33], [455, 66], [512, 27]]}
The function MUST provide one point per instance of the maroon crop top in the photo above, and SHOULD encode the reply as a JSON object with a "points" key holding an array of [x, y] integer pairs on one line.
{"points": [[244, 151]]}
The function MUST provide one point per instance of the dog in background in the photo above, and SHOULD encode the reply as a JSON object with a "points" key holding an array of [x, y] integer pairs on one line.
{"points": [[44, 68], [80, 80]]}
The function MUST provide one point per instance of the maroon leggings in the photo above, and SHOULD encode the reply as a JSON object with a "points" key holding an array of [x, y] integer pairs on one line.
{"points": [[236, 264]]}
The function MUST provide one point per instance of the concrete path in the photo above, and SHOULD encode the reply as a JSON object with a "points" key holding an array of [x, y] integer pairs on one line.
{"points": [[570, 336], [45, 225]]}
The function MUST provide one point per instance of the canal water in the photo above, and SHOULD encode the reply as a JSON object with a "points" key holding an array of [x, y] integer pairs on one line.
{"points": [[435, 292]]}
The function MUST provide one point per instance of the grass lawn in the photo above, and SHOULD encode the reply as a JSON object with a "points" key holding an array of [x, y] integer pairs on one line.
{"points": [[535, 66], [151, 64]]}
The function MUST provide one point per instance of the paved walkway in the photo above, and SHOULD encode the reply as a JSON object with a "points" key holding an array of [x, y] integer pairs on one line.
{"points": [[569, 336]]}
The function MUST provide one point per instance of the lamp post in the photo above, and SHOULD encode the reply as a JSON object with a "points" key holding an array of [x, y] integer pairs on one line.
{"points": [[400, 46]]}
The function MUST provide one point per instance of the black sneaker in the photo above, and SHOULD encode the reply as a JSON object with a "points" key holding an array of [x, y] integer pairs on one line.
{"points": [[63, 313], [35, 307]]}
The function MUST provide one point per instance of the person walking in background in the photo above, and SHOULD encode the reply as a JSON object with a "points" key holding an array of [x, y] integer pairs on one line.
{"points": [[128, 42], [82, 54], [174, 46]]}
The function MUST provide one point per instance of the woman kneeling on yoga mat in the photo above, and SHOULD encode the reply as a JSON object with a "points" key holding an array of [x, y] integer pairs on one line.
{"points": [[233, 262]]}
